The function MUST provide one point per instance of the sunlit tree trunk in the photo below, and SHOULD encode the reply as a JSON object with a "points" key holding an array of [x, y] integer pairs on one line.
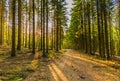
{"points": [[1, 29]]}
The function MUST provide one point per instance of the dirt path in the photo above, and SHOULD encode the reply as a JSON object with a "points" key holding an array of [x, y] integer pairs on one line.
{"points": [[69, 67], [75, 68]]}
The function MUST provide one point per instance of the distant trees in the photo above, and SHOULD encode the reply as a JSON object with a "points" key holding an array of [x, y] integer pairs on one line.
{"points": [[59, 22], [29, 23], [92, 28], [40, 25]]}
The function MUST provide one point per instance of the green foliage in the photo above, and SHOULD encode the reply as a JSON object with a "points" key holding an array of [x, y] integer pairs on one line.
{"points": [[15, 77], [85, 33], [54, 54]]}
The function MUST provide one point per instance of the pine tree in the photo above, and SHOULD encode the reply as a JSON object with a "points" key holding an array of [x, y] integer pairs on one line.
{"points": [[33, 46], [19, 25], [13, 52]]}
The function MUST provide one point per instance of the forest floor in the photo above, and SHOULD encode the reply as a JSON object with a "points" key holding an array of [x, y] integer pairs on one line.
{"points": [[69, 66]]}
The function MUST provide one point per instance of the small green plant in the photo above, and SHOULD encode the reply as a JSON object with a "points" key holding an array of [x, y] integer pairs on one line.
{"points": [[15, 77], [51, 55]]}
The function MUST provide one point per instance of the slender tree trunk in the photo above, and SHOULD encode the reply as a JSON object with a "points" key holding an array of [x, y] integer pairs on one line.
{"points": [[119, 26], [23, 34], [89, 29], [111, 32], [102, 31], [13, 52], [93, 29], [106, 30], [98, 22], [57, 28], [86, 40], [60, 35], [47, 26], [19, 25], [44, 55], [41, 24], [54, 29], [29, 23], [52, 38], [6, 28], [0, 21], [9, 36], [26, 26], [1, 33], [33, 26]]}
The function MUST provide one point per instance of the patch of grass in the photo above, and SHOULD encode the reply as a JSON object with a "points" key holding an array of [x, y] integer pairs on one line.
{"points": [[15, 77], [110, 63], [63, 50], [18, 76], [51, 55], [54, 54], [33, 66], [24, 51]]}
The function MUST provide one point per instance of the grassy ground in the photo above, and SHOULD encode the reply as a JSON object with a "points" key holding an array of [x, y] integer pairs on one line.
{"points": [[66, 65], [20, 67]]}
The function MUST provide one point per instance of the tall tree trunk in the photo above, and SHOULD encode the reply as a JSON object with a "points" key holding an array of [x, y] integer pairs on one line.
{"points": [[54, 29], [119, 26], [86, 40], [106, 29], [23, 34], [29, 24], [60, 35], [93, 29], [44, 55], [102, 30], [33, 27], [26, 26], [47, 26], [57, 28], [1, 32], [13, 52], [19, 25], [98, 22], [41, 25], [89, 28]]}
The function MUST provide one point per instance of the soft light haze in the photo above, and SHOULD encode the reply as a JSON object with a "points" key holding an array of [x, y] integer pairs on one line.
{"points": [[69, 6]]}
